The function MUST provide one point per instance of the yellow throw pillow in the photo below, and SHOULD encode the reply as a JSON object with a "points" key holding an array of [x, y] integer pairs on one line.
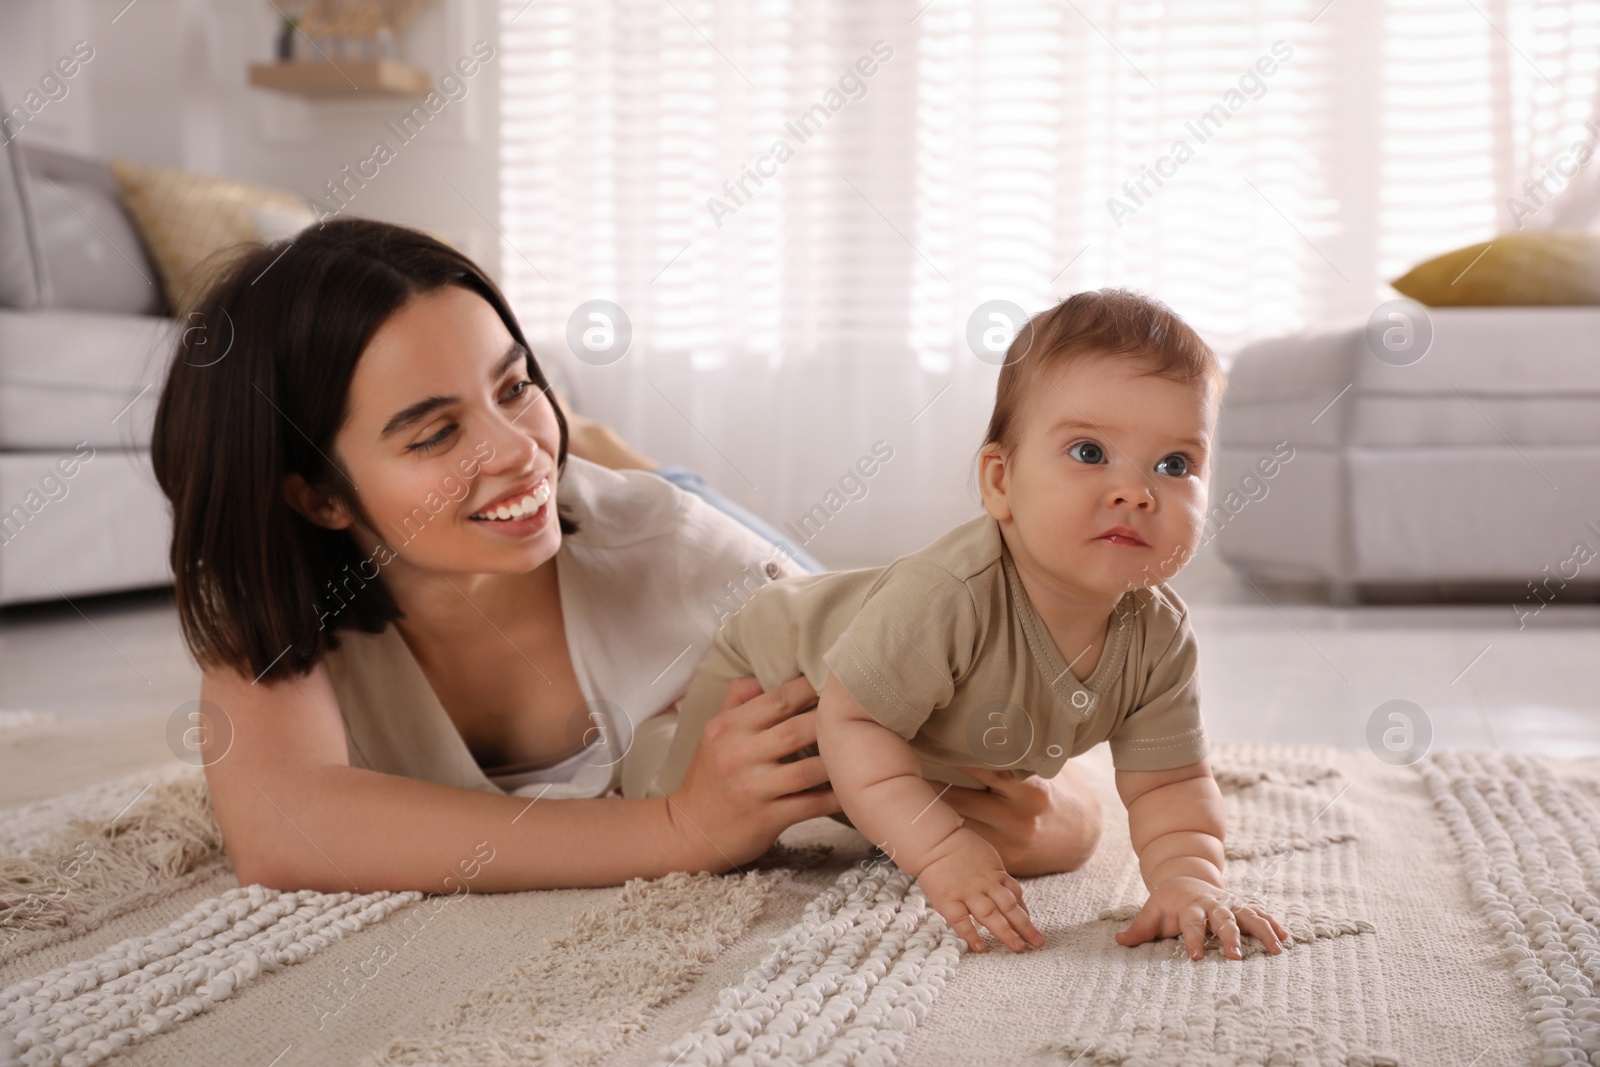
{"points": [[1512, 269], [185, 219]]}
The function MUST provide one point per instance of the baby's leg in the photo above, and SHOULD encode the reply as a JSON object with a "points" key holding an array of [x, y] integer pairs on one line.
{"points": [[700, 702]]}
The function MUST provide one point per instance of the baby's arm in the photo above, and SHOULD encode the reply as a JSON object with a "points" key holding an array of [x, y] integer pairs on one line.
{"points": [[879, 783], [1175, 821]]}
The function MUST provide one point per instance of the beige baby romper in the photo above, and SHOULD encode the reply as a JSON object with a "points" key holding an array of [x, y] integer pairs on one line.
{"points": [[944, 647]]}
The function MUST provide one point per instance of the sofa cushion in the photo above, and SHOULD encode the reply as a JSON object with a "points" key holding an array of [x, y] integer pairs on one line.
{"points": [[1491, 375], [72, 376], [187, 218], [1545, 267], [22, 280], [91, 252]]}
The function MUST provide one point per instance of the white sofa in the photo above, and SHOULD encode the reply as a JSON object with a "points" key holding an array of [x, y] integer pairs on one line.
{"points": [[83, 347], [1478, 463]]}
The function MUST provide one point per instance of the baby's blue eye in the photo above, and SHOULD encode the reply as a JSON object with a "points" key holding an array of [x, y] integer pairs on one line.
{"points": [[1087, 452], [1175, 465]]}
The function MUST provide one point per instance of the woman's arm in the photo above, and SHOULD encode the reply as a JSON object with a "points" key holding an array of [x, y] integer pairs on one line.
{"points": [[294, 814], [341, 829]]}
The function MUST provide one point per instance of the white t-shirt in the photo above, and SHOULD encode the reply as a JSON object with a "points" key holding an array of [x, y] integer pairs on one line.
{"points": [[644, 584]]}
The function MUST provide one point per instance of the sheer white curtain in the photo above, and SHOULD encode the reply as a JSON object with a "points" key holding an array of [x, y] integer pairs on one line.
{"points": [[798, 205]]}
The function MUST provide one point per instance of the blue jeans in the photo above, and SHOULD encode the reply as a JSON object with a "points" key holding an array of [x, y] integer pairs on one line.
{"points": [[688, 480]]}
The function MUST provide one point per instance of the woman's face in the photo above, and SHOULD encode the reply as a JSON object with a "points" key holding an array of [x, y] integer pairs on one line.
{"points": [[445, 430]]}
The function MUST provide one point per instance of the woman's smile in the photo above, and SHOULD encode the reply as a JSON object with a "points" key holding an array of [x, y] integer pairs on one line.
{"points": [[519, 513]]}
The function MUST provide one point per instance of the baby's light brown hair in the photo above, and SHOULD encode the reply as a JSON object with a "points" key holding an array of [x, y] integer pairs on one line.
{"points": [[1101, 323]]}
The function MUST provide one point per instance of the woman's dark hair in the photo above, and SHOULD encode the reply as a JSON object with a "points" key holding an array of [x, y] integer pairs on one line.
{"points": [[258, 388]]}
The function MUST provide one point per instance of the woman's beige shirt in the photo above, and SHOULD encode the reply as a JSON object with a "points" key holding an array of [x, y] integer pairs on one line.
{"points": [[644, 584]]}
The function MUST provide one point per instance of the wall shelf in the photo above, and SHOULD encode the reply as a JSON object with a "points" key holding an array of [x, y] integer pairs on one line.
{"points": [[346, 78]]}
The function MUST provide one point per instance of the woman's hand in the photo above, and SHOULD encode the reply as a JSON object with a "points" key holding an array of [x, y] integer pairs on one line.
{"points": [[1187, 906], [1038, 825], [736, 796]]}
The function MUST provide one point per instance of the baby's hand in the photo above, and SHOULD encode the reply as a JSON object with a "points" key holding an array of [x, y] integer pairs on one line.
{"points": [[1191, 906], [965, 881]]}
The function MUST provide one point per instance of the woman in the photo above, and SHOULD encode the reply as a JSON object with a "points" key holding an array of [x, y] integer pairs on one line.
{"points": [[386, 603]]}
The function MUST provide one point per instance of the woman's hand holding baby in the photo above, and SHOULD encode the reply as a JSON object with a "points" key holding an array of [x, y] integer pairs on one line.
{"points": [[737, 795], [966, 883]]}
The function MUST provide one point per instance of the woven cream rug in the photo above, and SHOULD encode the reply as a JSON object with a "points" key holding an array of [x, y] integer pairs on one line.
{"points": [[1444, 913]]}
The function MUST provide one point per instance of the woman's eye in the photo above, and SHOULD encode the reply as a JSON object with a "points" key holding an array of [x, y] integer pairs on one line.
{"points": [[519, 389], [427, 444], [1087, 452], [1175, 465]]}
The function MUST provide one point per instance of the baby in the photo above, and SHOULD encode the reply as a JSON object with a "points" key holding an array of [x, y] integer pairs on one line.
{"points": [[1028, 635]]}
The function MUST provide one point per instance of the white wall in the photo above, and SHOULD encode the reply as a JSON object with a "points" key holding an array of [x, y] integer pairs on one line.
{"points": [[167, 86], [33, 36]]}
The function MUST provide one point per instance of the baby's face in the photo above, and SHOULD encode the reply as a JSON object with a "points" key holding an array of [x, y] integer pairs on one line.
{"points": [[1106, 491]]}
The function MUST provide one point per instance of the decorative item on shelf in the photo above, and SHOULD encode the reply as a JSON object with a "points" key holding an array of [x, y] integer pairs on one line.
{"points": [[358, 31], [341, 48], [286, 36]]}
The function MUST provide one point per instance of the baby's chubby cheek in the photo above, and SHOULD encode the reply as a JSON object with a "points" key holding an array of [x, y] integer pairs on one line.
{"points": [[1175, 545], [1188, 524]]}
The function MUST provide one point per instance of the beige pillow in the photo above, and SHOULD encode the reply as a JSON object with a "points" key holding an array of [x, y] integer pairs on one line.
{"points": [[185, 219], [1514, 268]]}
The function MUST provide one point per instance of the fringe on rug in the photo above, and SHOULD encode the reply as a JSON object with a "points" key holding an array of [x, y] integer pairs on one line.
{"points": [[566, 1005], [40, 822], [93, 870]]}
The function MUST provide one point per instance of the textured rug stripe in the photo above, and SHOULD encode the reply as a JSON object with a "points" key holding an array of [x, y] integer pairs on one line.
{"points": [[88, 1011], [1166, 1009], [1529, 846], [1291, 847], [844, 985], [592, 991]]}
